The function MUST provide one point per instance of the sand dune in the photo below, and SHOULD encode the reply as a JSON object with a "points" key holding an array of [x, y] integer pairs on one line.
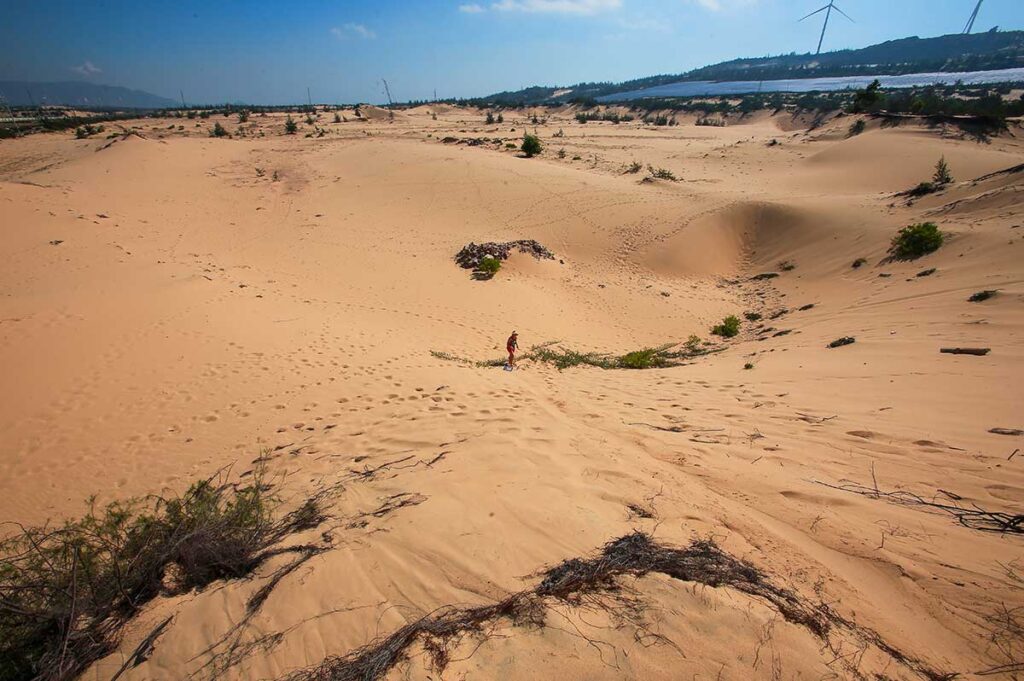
{"points": [[174, 304]]}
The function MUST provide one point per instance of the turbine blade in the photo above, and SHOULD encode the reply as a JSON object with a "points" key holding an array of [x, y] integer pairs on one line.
{"points": [[817, 11], [836, 8]]}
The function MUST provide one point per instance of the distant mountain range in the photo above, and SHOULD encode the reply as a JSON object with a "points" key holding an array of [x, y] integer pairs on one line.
{"points": [[947, 54], [79, 94]]}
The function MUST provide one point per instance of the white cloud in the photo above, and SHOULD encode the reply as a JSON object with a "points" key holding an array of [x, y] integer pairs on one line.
{"points": [[471, 8], [583, 7], [349, 30], [87, 69], [719, 5]]}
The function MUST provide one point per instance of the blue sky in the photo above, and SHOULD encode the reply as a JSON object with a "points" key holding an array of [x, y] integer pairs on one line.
{"points": [[270, 51]]}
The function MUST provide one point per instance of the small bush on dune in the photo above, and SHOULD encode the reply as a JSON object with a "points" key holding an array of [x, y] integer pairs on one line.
{"points": [[490, 118], [634, 167], [65, 593], [729, 327], [218, 131], [662, 174], [243, 116], [641, 359], [857, 128], [915, 241], [290, 126], [942, 175], [488, 267], [337, 117], [531, 145]]}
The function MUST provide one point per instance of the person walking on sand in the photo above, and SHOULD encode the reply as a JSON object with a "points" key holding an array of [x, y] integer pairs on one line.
{"points": [[512, 345]]}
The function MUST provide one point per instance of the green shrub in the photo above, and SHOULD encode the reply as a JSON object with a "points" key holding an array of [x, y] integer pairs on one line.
{"points": [[915, 241], [218, 131], [748, 366], [488, 267], [243, 117], [490, 118], [634, 167], [942, 175], [531, 145], [729, 327], [290, 126], [561, 153], [501, 119]]}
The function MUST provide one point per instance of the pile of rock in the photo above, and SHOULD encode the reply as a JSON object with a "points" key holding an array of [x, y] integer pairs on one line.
{"points": [[471, 254]]}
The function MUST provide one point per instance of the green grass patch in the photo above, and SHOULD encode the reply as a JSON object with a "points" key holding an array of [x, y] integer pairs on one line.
{"points": [[668, 355]]}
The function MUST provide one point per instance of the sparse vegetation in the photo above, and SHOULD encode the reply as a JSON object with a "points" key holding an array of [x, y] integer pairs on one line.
{"points": [[66, 592], [337, 117], [88, 130], [667, 355], [243, 117], [748, 366], [857, 128], [662, 174], [561, 153], [752, 316], [915, 241], [531, 145], [729, 327], [310, 120], [219, 131], [634, 167], [981, 296], [490, 118], [707, 121], [290, 126]]}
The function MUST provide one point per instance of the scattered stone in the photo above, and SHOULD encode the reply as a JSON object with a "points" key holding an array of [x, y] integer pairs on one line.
{"points": [[1006, 431], [470, 256], [884, 275], [859, 262], [786, 266], [57, 242], [805, 308], [840, 342], [752, 316], [784, 332], [926, 273], [764, 275]]}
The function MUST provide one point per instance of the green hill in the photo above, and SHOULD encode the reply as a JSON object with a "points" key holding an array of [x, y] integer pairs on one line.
{"points": [[946, 54]]}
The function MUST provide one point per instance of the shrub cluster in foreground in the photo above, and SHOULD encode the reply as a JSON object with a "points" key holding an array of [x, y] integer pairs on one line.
{"points": [[66, 592]]}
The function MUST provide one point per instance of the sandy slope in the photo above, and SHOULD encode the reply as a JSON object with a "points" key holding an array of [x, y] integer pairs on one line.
{"points": [[211, 299]]}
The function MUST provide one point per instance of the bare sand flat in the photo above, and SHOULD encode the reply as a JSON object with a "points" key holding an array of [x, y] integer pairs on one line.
{"points": [[174, 304]]}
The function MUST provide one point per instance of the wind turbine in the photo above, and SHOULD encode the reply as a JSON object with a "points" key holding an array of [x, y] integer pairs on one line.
{"points": [[974, 15], [827, 9]]}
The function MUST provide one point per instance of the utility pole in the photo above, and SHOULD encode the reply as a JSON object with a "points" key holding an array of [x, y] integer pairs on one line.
{"points": [[309, 97], [182, 93]]}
